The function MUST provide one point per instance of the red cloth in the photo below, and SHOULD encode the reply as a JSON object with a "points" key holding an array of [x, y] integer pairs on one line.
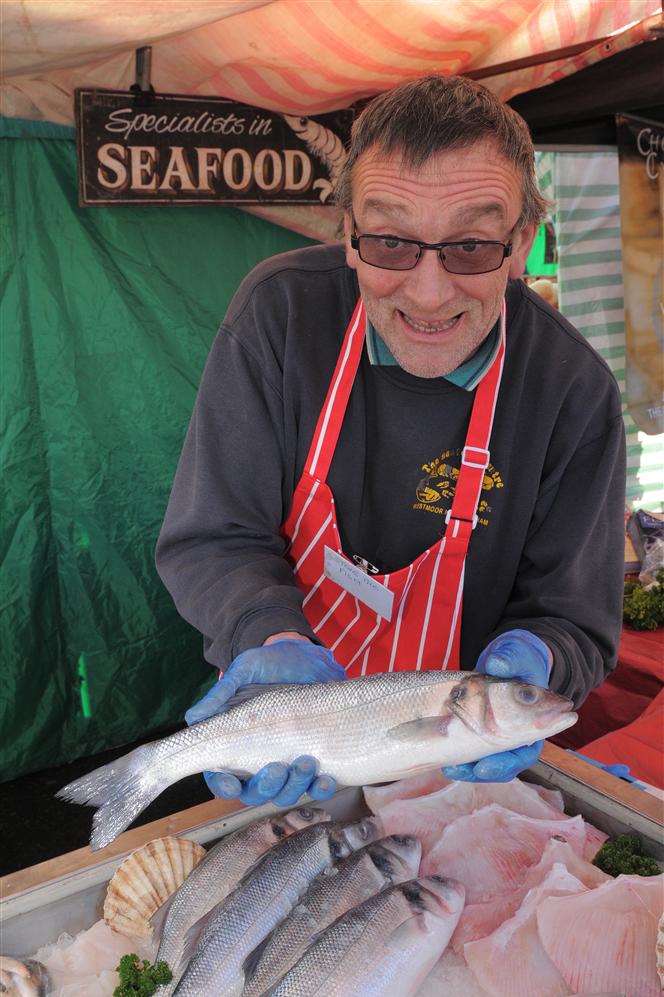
{"points": [[638, 745], [627, 692]]}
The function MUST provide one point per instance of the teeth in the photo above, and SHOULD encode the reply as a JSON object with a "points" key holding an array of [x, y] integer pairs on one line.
{"points": [[427, 327]]}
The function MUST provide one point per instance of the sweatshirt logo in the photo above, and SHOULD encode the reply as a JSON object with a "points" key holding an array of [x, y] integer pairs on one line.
{"points": [[435, 491]]}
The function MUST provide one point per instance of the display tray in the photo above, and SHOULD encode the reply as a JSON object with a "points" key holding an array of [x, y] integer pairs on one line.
{"points": [[67, 893]]}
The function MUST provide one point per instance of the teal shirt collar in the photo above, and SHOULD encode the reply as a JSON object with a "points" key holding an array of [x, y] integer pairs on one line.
{"points": [[467, 376]]}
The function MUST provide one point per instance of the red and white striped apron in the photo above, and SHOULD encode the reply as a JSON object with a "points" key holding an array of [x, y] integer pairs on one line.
{"points": [[425, 627]]}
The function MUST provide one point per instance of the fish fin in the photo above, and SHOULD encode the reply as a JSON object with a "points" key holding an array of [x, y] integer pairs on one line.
{"points": [[192, 937], [248, 692], [122, 790], [158, 919], [425, 727], [250, 964]]}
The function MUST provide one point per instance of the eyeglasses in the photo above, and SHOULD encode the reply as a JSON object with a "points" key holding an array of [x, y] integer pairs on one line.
{"points": [[389, 252]]}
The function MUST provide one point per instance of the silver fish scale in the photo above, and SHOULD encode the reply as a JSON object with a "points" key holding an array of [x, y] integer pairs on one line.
{"points": [[345, 950], [355, 879], [248, 914], [212, 880], [324, 720]]}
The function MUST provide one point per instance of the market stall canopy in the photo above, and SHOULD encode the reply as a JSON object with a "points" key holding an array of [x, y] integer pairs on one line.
{"points": [[298, 56]]}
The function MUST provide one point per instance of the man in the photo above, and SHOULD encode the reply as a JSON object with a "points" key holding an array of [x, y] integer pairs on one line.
{"points": [[399, 456]]}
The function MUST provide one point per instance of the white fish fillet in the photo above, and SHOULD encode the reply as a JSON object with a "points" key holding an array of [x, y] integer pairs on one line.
{"points": [[427, 816], [620, 918], [377, 797], [480, 920], [511, 962], [491, 850], [361, 731]]}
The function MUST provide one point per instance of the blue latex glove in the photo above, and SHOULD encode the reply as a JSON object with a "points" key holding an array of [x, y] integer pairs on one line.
{"points": [[620, 770], [282, 661], [514, 654]]}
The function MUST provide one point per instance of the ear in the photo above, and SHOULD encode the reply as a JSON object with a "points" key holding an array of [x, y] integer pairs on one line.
{"points": [[351, 254], [521, 245]]}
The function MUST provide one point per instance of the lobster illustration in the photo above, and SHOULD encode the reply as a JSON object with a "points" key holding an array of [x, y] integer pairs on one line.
{"points": [[323, 144]]}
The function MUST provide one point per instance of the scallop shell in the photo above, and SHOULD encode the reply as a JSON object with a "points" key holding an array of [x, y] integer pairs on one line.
{"points": [[145, 880], [660, 951]]}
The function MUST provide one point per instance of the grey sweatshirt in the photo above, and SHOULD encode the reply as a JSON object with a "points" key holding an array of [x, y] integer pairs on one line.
{"points": [[547, 553]]}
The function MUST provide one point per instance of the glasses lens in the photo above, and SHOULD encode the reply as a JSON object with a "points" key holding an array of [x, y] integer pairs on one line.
{"points": [[388, 253], [473, 257]]}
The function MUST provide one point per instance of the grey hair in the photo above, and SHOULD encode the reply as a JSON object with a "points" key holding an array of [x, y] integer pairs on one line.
{"points": [[437, 113]]}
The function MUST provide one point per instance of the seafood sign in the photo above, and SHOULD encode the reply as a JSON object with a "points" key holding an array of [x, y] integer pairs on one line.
{"points": [[174, 148], [362, 731]]}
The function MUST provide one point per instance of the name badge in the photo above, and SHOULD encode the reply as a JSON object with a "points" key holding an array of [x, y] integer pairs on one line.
{"points": [[365, 588]]}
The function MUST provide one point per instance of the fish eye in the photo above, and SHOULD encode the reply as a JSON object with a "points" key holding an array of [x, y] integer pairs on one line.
{"points": [[365, 829], [305, 813], [457, 693], [527, 694]]}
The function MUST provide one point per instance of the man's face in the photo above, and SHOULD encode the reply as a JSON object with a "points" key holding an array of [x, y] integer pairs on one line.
{"points": [[432, 320]]}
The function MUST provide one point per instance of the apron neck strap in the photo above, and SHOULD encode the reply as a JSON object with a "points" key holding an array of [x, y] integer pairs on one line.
{"points": [[332, 413]]}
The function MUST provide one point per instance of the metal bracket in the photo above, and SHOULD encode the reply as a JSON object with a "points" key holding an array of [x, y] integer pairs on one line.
{"points": [[142, 89]]}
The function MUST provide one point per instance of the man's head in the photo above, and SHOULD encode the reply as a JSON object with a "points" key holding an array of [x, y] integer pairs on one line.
{"points": [[438, 160]]}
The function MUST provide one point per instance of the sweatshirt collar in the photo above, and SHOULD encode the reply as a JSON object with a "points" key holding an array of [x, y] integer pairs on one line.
{"points": [[466, 376]]}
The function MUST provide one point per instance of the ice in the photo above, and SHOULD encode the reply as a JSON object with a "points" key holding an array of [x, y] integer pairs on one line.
{"points": [[85, 964], [451, 977]]}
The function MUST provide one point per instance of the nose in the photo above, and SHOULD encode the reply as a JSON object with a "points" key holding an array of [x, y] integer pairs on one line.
{"points": [[430, 287]]}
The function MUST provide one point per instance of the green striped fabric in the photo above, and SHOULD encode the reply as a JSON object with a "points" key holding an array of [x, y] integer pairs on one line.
{"points": [[586, 215]]}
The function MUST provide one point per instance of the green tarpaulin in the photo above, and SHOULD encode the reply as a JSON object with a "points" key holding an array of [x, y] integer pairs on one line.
{"points": [[107, 317]]}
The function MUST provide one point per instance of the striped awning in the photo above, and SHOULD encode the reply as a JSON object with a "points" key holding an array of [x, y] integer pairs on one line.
{"points": [[300, 56], [297, 56]]}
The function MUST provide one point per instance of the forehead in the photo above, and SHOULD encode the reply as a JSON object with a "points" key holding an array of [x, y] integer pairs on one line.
{"points": [[476, 181]]}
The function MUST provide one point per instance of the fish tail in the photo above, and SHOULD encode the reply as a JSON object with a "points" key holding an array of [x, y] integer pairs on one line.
{"points": [[121, 790]]}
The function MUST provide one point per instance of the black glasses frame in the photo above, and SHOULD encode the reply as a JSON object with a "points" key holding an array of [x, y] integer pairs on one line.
{"points": [[437, 246]]}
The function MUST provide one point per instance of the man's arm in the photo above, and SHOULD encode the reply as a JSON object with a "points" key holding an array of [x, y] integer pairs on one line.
{"points": [[569, 585], [220, 553]]}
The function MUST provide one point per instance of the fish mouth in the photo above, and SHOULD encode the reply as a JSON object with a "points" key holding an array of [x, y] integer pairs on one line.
{"points": [[568, 719]]}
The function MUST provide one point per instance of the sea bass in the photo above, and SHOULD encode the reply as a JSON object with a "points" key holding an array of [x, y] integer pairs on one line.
{"points": [[386, 947], [366, 730], [389, 861], [216, 875], [264, 897]]}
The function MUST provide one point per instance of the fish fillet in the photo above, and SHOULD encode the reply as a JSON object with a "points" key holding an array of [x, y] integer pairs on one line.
{"points": [[480, 920], [427, 816], [620, 919], [511, 962], [491, 850], [377, 797]]}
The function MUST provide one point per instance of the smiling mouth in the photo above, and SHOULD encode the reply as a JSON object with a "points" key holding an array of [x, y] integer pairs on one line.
{"points": [[430, 328]]}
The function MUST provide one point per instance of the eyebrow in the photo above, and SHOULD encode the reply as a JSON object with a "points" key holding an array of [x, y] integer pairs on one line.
{"points": [[385, 208], [464, 216]]}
